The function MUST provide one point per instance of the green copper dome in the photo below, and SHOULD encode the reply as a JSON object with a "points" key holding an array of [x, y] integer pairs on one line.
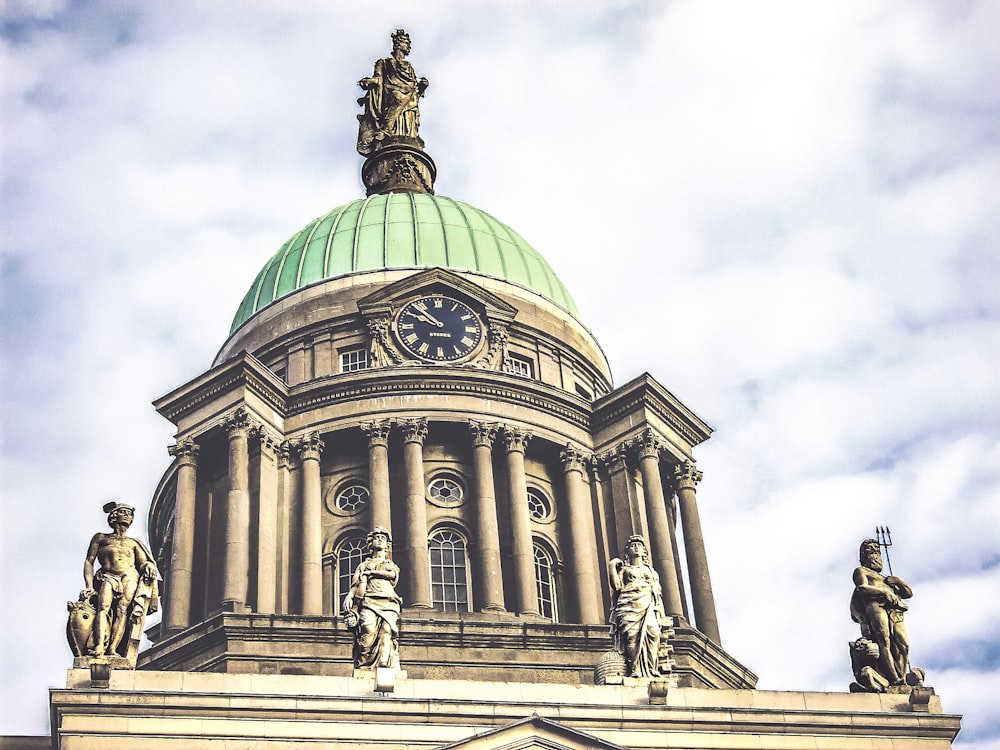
{"points": [[398, 231]]}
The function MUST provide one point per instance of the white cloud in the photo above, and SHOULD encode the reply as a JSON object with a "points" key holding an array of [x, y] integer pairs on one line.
{"points": [[786, 212]]}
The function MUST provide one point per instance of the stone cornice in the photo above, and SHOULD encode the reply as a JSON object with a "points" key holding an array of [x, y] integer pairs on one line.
{"points": [[644, 392], [432, 380], [244, 371]]}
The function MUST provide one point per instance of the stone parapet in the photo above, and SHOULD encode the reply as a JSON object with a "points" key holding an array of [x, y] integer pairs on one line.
{"points": [[481, 647], [160, 710]]}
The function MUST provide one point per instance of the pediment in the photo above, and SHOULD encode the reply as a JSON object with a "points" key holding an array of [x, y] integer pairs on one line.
{"points": [[437, 280], [533, 732]]}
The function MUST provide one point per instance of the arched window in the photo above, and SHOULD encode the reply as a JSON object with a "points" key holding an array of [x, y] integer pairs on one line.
{"points": [[545, 581], [351, 552], [449, 571]]}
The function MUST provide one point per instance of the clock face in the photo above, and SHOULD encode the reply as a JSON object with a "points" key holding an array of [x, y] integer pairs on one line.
{"points": [[438, 328]]}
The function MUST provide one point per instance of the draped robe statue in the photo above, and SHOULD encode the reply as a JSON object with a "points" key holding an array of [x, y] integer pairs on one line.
{"points": [[636, 610], [371, 606], [391, 99]]}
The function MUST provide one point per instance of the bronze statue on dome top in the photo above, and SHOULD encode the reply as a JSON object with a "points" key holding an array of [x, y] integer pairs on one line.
{"points": [[391, 100]]}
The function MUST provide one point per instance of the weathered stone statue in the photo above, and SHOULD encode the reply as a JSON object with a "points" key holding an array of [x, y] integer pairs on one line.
{"points": [[391, 99], [371, 607], [108, 618], [880, 658], [636, 610]]}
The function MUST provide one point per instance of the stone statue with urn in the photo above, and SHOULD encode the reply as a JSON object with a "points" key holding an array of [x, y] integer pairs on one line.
{"points": [[106, 622], [372, 607], [638, 620]]}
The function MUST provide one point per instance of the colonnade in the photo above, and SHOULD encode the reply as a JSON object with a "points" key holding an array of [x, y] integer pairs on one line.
{"points": [[653, 516]]}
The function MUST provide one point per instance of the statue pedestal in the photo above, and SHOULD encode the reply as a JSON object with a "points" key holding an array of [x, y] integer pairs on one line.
{"points": [[401, 165], [385, 678]]}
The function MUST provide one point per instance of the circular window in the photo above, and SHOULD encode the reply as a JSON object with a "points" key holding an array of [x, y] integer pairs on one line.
{"points": [[352, 498], [538, 505], [445, 491]]}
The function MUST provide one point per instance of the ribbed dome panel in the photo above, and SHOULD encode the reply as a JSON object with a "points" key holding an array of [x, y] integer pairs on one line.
{"points": [[398, 231]]}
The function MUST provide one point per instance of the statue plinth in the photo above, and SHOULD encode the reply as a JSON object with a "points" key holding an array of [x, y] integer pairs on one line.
{"points": [[399, 165]]}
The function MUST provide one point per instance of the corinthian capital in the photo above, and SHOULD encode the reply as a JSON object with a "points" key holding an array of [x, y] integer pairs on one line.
{"points": [[238, 423], [377, 431], [483, 433], [648, 445], [414, 430], [309, 447], [686, 476], [515, 439], [185, 450], [268, 440], [573, 459], [616, 459]]}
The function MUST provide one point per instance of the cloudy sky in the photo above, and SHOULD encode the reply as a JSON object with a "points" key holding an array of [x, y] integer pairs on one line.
{"points": [[787, 212]]}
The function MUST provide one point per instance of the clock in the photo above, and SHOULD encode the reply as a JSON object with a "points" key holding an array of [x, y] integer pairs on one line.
{"points": [[438, 328]]}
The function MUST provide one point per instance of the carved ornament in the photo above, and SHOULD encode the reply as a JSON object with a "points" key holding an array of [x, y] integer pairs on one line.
{"points": [[483, 433], [414, 430]]}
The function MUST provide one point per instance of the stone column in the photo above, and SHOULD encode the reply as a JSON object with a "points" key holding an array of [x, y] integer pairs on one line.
{"points": [[418, 565], [178, 609], [660, 541], [624, 498], [520, 519], [583, 539], [283, 549], [311, 525], [266, 540], [488, 572], [702, 599], [236, 563], [378, 471]]}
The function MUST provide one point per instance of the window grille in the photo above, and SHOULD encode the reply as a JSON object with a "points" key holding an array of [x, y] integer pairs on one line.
{"points": [[519, 366], [449, 571], [351, 499], [546, 584], [538, 505], [354, 360], [350, 555], [446, 491]]}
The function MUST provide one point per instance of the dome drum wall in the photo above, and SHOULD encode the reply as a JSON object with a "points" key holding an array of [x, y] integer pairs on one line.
{"points": [[304, 335]]}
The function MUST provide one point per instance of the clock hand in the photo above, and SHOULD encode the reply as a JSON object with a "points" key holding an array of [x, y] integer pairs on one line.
{"points": [[423, 317], [431, 319]]}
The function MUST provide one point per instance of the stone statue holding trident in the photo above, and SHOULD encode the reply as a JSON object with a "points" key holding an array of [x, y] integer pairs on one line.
{"points": [[880, 658], [390, 100]]}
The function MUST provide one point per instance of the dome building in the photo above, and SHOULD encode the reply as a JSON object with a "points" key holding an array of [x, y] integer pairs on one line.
{"points": [[408, 365]]}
